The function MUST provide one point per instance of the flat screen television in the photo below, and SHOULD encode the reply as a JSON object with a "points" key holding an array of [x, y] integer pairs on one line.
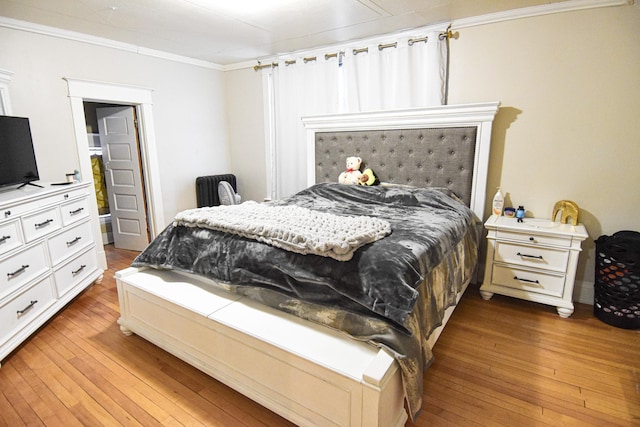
{"points": [[17, 158]]}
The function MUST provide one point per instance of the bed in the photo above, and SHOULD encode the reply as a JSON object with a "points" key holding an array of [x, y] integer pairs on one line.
{"points": [[339, 338]]}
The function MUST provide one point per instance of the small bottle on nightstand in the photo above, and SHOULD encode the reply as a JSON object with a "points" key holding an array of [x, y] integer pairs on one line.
{"points": [[498, 203]]}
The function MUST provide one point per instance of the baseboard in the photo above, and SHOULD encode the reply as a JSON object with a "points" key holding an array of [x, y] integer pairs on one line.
{"points": [[583, 292]]}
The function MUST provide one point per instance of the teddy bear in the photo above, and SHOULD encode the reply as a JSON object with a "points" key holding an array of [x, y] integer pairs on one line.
{"points": [[352, 174]]}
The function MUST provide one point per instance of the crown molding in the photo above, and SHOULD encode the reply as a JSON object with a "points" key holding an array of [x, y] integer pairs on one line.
{"points": [[491, 18], [30, 27], [529, 12], [526, 12]]}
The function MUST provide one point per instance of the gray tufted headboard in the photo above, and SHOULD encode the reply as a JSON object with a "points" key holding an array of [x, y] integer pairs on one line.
{"points": [[430, 157], [445, 146]]}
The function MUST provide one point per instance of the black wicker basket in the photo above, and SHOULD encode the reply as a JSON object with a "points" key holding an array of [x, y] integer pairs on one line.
{"points": [[617, 279]]}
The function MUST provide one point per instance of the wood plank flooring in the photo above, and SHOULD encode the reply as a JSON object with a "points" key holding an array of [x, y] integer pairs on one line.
{"points": [[498, 362]]}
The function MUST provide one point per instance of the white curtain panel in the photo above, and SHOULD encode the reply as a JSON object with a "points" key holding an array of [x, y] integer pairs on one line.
{"points": [[405, 76], [300, 89]]}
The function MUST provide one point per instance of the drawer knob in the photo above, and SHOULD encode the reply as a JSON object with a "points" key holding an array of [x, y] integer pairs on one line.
{"points": [[526, 280], [44, 223], [7, 214], [530, 256], [532, 239], [31, 304], [4, 238], [18, 271]]}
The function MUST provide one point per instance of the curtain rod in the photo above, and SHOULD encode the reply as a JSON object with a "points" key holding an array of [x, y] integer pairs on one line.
{"points": [[261, 66], [442, 36]]}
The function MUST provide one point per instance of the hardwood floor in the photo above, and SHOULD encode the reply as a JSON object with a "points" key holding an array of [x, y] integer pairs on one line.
{"points": [[498, 362]]}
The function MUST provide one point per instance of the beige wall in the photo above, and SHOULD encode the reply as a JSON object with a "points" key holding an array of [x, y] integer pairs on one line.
{"points": [[569, 87], [568, 127]]}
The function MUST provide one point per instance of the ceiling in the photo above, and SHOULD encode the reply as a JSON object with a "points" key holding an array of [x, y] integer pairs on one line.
{"points": [[233, 31]]}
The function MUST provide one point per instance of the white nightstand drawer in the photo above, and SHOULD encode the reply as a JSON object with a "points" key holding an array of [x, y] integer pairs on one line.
{"points": [[533, 281], [10, 237], [18, 312], [534, 239], [70, 242], [41, 223], [74, 271], [532, 256], [74, 211], [22, 267]]}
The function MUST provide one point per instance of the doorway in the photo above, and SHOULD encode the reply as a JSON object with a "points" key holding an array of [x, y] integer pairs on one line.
{"points": [[141, 98], [114, 148]]}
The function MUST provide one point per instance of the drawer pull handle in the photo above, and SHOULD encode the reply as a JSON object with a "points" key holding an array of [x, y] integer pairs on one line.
{"points": [[44, 223], [77, 211], [530, 256], [27, 308], [74, 241], [526, 280], [4, 238], [82, 267], [18, 271]]}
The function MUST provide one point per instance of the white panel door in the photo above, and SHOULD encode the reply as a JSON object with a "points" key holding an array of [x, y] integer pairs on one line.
{"points": [[123, 176]]}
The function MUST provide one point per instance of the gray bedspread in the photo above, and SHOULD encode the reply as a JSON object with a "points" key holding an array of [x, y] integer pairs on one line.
{"points": [[392, 293]]}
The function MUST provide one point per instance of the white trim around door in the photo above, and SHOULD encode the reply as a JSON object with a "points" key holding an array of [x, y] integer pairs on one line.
{"points": [[84, 90]]}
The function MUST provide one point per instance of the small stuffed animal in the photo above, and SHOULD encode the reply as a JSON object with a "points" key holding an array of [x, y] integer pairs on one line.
{"points": [[368, 178], [352, 174]]}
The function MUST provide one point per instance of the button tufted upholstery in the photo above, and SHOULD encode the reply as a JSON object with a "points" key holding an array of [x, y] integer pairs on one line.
{"points": [[434, 157]]}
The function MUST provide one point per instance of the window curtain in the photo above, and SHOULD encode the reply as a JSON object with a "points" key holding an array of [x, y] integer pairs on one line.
{"points": [[299, 89], [406, 72], [410, 72]]}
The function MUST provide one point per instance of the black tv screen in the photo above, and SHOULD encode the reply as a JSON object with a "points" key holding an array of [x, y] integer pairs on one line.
{"points": [[17, 159]]}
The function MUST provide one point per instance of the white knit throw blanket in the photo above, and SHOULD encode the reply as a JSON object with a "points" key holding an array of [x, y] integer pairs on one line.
{"points": [[292, 228]]}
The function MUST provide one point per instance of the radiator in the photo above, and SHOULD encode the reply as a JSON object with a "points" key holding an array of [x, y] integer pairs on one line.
{"points": [[207, 188]]}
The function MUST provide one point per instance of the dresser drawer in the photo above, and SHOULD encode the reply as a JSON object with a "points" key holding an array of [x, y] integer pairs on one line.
{"points": [[74, 211], [527, 280], [41, 223], [534, 239], [28, 200], [532, 256], [18, 312], [22, 267], [10, 237], [70, 242], [74, 271]]}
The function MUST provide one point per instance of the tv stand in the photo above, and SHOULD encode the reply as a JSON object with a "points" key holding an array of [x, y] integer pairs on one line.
{"points": [[30, 183]]}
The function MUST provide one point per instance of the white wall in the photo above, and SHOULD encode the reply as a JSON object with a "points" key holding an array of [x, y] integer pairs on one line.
{"points": [[246, 142], [568, 127], [188, 107]]}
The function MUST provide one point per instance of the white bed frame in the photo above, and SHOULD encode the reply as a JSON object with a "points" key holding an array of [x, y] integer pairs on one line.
{"points": [[307, 373]]}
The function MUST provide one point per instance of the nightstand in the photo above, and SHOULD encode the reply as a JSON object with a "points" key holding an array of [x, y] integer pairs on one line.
{"points": [[534, 260]]}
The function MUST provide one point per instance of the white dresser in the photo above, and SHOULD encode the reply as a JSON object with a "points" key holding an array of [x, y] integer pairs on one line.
{"points": [[47, 256], [534, 260]]}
